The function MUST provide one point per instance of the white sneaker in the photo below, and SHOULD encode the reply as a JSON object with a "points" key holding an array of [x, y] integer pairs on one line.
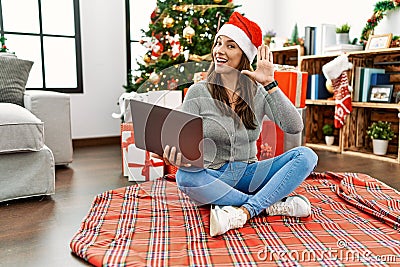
{"points": [[225, 218], [296, 206]]}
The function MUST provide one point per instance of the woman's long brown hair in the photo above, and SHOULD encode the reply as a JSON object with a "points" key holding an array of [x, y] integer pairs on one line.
{"points": [[246, 90]]}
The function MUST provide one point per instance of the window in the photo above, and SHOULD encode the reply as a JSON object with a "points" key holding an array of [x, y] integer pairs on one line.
{"points": [[46, 32], [135, 50]]}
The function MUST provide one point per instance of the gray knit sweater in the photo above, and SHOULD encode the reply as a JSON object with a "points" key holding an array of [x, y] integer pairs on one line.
{"points": [[225, 140]]}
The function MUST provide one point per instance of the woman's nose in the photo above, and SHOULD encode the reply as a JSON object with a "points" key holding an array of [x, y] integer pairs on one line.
{"points": [[220, 49]]}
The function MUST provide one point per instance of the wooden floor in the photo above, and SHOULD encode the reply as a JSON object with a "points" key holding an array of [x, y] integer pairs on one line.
{"points": [[37, 231]]}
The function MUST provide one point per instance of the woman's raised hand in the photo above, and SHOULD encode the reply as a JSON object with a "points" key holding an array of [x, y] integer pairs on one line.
{"points": [[264, 72]]}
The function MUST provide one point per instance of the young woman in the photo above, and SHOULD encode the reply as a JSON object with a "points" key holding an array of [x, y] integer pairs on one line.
{"points": [[233, 101]]}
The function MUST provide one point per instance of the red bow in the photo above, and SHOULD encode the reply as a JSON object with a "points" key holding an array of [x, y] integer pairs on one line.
{"points": [[146, 166], [129, 141]]}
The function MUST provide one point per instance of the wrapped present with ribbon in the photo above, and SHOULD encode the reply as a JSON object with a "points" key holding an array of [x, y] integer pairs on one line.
{"points": [[294, 85], [127, 138], [273, 141], [142, 166]]}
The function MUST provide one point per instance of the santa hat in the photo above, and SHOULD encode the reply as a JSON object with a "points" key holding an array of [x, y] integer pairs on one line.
{"points": [[246, 33]]}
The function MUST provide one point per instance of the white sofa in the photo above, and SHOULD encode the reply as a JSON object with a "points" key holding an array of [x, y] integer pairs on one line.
{"points": [[33, 140], [35, 133]]}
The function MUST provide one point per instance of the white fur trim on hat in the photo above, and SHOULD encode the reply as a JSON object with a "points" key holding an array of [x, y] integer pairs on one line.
{"points": [[241, 38], [334, 68]]}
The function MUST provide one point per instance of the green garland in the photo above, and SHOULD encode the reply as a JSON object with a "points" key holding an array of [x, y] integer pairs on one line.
{"points": [[380, 11]]}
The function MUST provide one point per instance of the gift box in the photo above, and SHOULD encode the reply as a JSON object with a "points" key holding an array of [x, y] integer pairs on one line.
{"points": [[127, 138], [273, 141], [142, 166], [294, 85], [270, 142]]}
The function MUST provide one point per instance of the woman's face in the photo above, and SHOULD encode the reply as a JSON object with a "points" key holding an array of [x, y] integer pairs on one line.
{"points": [[226, 54]]}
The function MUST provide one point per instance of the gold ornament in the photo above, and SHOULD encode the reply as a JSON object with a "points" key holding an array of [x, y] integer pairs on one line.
{"points": [[217, 1], [188, 33], [168, 22], [329, 86], [147, 58]]}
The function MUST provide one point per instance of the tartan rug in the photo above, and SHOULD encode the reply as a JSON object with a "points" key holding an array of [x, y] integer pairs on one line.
{"points": [[355, 221]]}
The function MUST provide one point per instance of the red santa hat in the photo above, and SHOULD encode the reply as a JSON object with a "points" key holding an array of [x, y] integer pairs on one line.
{"points": [[246, 33]]}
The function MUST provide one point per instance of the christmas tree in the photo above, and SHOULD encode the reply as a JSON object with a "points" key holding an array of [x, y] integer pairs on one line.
{"points": [[179, 32]]}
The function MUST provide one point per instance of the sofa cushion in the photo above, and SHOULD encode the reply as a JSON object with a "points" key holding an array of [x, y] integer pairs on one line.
{"points": [[20, 130], [14, 74]]}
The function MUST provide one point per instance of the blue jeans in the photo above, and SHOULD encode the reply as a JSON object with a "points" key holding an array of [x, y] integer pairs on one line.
{"points": [[255, 186]]}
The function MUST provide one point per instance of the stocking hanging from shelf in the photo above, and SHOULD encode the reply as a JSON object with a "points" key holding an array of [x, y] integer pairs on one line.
{"points": [[336, 71]]}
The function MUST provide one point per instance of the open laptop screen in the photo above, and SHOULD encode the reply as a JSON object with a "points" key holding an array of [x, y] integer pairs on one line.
{"points": [[156, 126]]}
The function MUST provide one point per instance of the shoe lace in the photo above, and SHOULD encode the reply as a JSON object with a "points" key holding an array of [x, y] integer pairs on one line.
{"points": [[280, 208], [236, 220]]}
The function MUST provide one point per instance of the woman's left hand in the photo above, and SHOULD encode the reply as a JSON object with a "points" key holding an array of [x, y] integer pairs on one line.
{"points": [[264, 72]]}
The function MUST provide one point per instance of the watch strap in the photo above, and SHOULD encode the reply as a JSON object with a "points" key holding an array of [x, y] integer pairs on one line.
{"points": [[271, 85]]}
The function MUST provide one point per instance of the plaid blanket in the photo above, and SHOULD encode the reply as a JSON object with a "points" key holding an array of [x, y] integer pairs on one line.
{"points": [[355, 222]]}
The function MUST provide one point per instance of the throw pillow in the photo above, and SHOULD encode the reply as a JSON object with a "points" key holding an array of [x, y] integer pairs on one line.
{"points": [[14, 74]]}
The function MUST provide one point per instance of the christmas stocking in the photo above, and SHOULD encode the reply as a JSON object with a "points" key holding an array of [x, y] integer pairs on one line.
{"points": [[336, 72]]}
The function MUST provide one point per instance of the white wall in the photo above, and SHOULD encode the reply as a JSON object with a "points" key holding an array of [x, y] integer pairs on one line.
{"points": [[314, 13], [260, 11], [104, 69], [282, 15], [104, 52]]}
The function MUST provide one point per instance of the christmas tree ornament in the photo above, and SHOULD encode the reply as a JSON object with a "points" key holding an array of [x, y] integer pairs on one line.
{"points": [[217, 1], [329, 86], [157, 50], [175, 45], [146, 58], [153, 45], [172, 84], [188, 33], [153, 16], [154, 78], [168, 22], [336, 70]]}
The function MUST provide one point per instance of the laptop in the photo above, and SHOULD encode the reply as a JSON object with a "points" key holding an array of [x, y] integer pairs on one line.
{"points": [[156, 126]]}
